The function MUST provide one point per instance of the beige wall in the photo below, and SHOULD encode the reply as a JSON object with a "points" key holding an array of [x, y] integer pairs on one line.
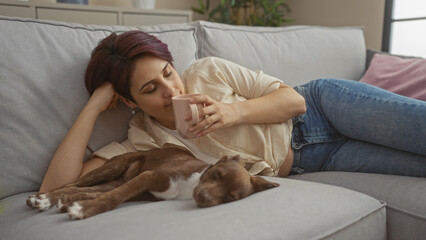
{"points": [[184, 5], [160, 4], [367, 13]]}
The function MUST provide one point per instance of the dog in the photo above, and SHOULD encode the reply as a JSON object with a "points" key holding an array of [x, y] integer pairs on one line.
{"points": [[165, 173]]}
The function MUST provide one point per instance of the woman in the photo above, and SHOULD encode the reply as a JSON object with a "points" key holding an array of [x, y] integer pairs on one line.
{"points": [[342, 126]]}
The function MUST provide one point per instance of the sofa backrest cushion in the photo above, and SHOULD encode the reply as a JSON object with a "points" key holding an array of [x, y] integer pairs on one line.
{"points": [[42, 91], [294, 54]]}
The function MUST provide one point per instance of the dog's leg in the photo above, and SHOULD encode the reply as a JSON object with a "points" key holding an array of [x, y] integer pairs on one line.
{"points": [[146, 181], [111, 170], [66, 201], [44, 201], [106, 173]]}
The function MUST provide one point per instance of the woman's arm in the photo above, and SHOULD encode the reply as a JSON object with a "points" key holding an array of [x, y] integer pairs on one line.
{"points": [[277, 106], [66, 164]]}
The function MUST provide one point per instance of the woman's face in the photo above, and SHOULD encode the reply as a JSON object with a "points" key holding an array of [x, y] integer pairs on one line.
{"points": [[153, 83]]}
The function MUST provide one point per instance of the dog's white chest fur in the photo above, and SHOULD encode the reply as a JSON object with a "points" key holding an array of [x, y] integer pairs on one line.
{"points": [[180, 188]]}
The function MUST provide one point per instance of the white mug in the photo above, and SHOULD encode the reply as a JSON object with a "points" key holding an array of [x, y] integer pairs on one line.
{"points": [[182, 108]]}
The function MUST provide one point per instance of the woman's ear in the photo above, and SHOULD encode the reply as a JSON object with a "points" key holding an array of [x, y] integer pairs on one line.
{"points": [[129, 103]]}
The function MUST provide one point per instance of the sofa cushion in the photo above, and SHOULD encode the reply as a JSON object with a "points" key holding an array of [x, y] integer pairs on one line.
{"points": [[295, 210], [404, 76], [372, 52], [42, 91], [405, 198], [295, 54]]}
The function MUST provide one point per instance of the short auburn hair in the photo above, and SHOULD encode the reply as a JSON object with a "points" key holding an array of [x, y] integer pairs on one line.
{"points": [[113, 59]]}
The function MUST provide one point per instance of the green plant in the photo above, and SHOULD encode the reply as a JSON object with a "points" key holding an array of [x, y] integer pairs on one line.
{"points": [[246, 12]]}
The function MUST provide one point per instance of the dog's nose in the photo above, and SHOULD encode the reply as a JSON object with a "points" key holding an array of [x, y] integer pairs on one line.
{"points": [[204, 196]]}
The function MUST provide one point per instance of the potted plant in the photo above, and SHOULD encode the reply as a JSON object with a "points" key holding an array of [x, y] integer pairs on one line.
{"points": [[246, 12]]}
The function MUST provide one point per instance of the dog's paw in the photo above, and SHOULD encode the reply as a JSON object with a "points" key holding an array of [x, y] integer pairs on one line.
{"points": [[40, 202], [31, 200], [76, 211], [43, 202]]}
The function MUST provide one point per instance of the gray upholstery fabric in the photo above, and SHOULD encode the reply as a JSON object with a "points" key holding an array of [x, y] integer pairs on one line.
{"points": [[42, 91], [405, 198], [295, 210], [295, 54], [44, 78]]}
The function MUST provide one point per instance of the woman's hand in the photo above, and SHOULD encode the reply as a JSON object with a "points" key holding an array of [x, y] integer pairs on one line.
{"points": [[275, 107], [216, 115], [103, 98]]}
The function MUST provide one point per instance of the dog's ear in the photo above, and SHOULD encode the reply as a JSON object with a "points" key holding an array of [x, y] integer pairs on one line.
{"points": [[261, 184], [224, 158]]}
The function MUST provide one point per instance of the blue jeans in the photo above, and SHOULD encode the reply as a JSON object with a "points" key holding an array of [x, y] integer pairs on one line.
{"points": [[352, 126]]}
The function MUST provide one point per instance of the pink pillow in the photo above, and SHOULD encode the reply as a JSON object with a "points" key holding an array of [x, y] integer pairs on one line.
{"points": [[403, 76]]}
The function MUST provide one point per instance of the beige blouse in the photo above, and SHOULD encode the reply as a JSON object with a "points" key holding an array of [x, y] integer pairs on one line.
{"points": [[263, 146]]}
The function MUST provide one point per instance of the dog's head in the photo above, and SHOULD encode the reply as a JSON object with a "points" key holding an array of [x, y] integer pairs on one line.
{"points": [[228, 181]]}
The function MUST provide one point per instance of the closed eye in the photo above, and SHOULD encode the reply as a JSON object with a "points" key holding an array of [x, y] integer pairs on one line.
{"points": [[149, 89], [168, 74], [219, 173]]}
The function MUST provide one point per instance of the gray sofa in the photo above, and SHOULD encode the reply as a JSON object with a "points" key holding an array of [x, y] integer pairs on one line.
{"points": [[42, 65]]}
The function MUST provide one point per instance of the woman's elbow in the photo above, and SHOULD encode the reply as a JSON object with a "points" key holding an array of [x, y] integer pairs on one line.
{"points": [[298, 104], [301, 105], [297, 101]]}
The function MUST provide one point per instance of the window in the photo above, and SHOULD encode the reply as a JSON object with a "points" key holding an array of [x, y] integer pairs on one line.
{"points": [[404, 29]]}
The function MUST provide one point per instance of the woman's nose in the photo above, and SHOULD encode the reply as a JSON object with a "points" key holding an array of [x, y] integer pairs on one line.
{"points": [[169, 91]]}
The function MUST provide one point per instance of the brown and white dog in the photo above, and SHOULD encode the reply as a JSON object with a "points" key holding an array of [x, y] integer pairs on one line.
{"points": [[158, 174]]}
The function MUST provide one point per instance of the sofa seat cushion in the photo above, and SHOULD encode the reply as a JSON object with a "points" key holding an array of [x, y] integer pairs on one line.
{"points": [[42, 91], [405, 198], [294, 54], [295, 210]]}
